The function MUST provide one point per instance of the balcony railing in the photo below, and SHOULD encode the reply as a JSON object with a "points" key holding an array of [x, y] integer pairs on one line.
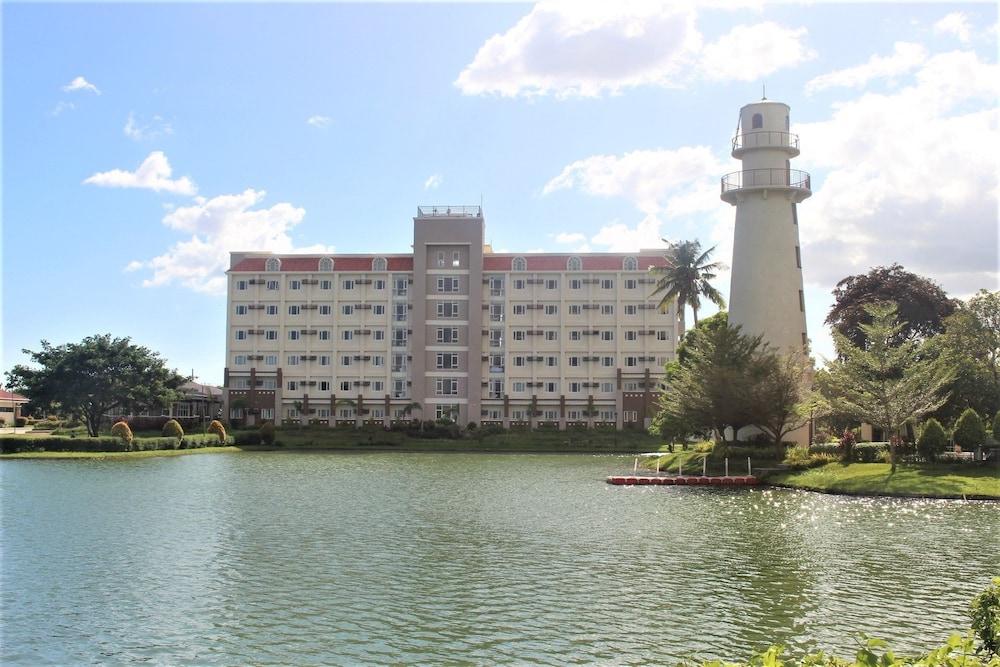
{"points": [[449, 212], [766, 139], [766, 178]]}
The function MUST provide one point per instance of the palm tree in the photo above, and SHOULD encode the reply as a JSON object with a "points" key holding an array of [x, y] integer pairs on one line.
{"points": [[686, 277]]}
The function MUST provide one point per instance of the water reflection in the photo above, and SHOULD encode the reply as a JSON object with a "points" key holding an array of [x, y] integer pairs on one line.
{"points": [[340, 558]]}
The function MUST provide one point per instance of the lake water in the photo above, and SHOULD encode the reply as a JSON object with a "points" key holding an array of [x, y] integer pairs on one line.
{"points": [[289, 558]]}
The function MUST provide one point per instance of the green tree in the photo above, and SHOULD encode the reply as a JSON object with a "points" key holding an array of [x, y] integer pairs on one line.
{"points": [[96, 375], [969, 430], [922, 304], [885, 381], [996, 426], [985, 615], [686, 277], [781, 397], [711, 389], [933, 440]]}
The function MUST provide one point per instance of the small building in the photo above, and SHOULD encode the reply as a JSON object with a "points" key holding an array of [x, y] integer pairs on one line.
{"points": [[196, 400], [10, 407]]}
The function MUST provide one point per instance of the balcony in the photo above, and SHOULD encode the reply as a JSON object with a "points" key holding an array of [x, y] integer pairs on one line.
{"points": [[765, 139], [790, 180]]}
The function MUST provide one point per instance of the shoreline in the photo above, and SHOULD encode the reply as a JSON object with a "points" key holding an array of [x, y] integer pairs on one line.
{"points": [[886, 494]]}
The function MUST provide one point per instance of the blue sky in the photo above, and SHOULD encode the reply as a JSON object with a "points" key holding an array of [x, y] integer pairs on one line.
{"points": [[141, 143]]}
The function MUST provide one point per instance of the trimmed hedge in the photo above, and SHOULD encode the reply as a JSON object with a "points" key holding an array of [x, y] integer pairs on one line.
{"points": [[104, 443]]}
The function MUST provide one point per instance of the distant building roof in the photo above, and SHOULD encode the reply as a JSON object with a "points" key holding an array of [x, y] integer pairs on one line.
{"points": [[196, 388], [11, 396]]}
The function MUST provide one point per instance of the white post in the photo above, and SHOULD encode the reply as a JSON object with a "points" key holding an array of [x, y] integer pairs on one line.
{"points": [[727, 466], [704, 466], [657, 465], [680, 469], [635, 466], [749, 469]]}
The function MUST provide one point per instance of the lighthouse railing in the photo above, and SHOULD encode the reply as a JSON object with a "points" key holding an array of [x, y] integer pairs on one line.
{"points": [[765, 139], [766, 178]]}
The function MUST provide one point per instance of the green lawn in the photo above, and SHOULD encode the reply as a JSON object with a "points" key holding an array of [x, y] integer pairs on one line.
{"points": [[921, 480]]}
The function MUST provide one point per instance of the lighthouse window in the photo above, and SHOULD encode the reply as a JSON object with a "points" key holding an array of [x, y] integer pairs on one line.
{"points": [[757, 122], [787, 127], [798, 257], [802, 301]]}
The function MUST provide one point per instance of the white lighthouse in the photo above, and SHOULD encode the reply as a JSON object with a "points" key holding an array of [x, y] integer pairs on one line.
{"points": [[765, 295]]}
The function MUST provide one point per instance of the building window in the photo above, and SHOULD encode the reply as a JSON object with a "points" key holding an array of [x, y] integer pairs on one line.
{"points": [[802, 301], [798, 258], [517, 387], [456, 258], [378, 360], [379, 334], [607, 283], [240, 360], [446, 361], [551, 387], [607, 309], [519, 264], [575, 309], [271, 334], [631, 309], [292, 385], [607, 387], [347, 309], [379, 264], [272, 310], [446, 386], [631, 283], [378, 309], [551, 309], [326, 284], [241, 284], [574, 387], [551, 283], [324, 310], [631, 334], [348, 284], [552, 334], [551, 361], [519, 361], [345, 385], [324, 385], [292, 360], [574, 361], [608, 335], [241, 310], [271, 360], [345, 360], [518, 334], [607, 362], [241, 334], [630, 264], [520, 309], [447, 284], [519, 283], [575, 283], [447, 309], [347, 334], [575, 335], [574, 264], [293, 334], [293, 310], [662, 335], [272, 284], [379, 284], [324, 334], [325, 264], [757, 122], [631, 362], [447, 335], [294, 284], [272, 264]]}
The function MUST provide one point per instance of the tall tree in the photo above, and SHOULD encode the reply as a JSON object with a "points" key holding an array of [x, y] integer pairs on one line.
{"points": [[780, 397], [686, 277], [922, 304], [90, 378], [710, 390], [886, 380]]}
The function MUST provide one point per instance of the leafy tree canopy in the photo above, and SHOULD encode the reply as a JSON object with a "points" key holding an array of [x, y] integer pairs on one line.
{"points": [[90, 378], [922, 304]]}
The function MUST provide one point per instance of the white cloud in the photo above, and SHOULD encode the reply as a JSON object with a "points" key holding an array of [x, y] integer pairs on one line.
{"points": [[908, 177], [136, 130], [654, 180], [905, 58], [134, 265], [217, 226], [61, 107], [153, 174], [319, 121], [749, 52], [80, 83], [955, 24], [433, 181], [589, 48], [570, 237]]}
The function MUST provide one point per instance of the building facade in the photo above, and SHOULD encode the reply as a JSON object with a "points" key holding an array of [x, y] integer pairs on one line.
{"points": [[467, 334]]}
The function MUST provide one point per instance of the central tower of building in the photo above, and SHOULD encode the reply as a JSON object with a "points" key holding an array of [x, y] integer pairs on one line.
{"points": [[765, 295]]}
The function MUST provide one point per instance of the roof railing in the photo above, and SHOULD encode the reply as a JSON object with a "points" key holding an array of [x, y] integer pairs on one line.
{"points": [[449, 211]]}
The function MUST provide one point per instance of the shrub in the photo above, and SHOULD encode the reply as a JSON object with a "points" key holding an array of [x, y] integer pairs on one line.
{"points": [[933, 440], [969, 430], [121, 430], [985, 614], [267, 433], [20, 422], [219, 430], [246, 438], [996, 426], [471, 426], [847, 444], [173, 429]]}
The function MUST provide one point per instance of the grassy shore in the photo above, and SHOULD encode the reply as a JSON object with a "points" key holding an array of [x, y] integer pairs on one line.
{"points": [[911, 480], [119, 455]]}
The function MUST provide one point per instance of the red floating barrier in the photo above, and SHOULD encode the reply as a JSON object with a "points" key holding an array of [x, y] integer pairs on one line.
{"points": [[680, 480], [717, 481]]}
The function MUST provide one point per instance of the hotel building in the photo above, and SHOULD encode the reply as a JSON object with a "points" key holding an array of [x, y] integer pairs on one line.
{"points": [[509, 339]]}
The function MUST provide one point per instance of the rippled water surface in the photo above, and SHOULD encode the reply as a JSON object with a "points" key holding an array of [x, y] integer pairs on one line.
{"points": [[284, 558]]}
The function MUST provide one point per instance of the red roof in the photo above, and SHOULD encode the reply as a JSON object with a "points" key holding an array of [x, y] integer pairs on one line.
{"points": [[11, 396], [492, 262], [540, 262], [303, 264]]}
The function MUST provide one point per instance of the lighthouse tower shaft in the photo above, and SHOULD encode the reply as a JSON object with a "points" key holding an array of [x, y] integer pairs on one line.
{"points": [[766, 296]]}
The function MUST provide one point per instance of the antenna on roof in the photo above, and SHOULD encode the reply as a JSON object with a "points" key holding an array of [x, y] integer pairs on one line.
{"points": [[763, 92]]}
